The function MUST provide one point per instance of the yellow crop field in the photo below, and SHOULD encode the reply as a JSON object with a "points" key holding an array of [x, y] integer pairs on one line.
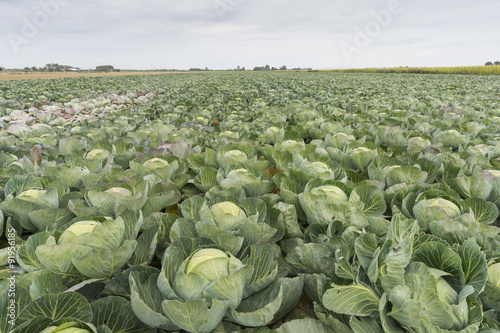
{"points": [[467, 70]]}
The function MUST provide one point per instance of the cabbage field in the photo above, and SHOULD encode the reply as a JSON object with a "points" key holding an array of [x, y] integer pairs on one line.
{"points": [[250, 202]]}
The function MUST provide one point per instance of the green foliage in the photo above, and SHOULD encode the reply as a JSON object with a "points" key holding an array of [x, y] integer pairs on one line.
{"points": [[251, 202]]}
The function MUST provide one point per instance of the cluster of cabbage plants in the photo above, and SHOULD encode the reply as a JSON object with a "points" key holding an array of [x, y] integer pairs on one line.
{"points": [[251, 203]]}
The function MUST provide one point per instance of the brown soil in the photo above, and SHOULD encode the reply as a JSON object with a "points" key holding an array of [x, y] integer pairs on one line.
{"points": [[4, 76]]}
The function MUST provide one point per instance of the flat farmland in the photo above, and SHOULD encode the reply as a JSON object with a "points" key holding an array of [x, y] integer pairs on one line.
{"points": [[250, 202]]}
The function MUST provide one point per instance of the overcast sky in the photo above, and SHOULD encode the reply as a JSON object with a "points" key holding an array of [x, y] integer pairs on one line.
{"points": [[154, 34]]}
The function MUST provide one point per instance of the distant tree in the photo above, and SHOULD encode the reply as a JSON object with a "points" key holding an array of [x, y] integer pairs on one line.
{"points": [[1, 69], [243, 69], [274, 69], [52, 67], [26, 69], [497, 63], [238, 68], [283, 68], [268, 68], [489, 63], [206, 68], [104, 68], [34, 68]]}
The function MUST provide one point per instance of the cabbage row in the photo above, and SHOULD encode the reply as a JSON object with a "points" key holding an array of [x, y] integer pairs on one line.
{"points": [[250, 202]]}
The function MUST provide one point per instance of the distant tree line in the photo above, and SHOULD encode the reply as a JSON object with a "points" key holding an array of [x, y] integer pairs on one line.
{"points": [[194, 69], [105, 68], [489, 63], [269, 68], [54, 67]]}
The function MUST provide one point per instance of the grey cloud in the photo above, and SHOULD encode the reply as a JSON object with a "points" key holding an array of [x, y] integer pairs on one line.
{"points": [[403, 41], [174, 34]]}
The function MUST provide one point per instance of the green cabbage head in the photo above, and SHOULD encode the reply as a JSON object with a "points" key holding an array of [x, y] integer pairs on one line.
{"points": [[229, 135], [118, 192], [318, 204], [97, 154], [155, 163], [30, 195], [211, 265], [116, 199], [292, 146], [436, 209], [418, 143], [313, 169], [330, 193], [65, 330], [232, 157], [339, 140], [78, 233], [275, 134], [225, 215]]}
